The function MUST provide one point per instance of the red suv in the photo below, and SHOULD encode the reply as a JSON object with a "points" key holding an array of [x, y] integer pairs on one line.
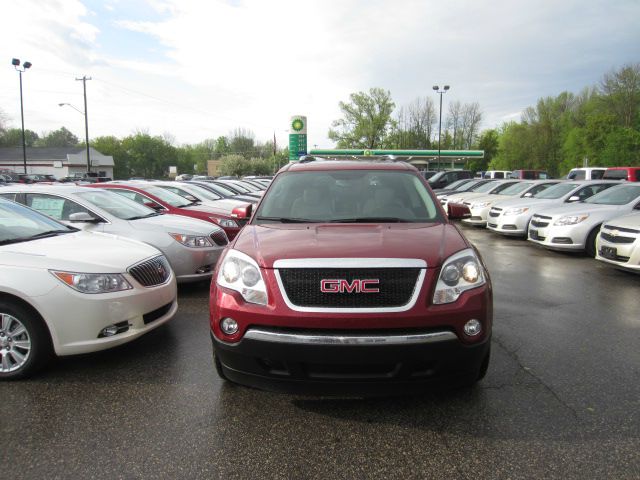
{"points": [[630, 174], [168, 202], [350, 278]]}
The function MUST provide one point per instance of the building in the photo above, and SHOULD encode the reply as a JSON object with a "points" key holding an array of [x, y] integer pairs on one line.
{"points": [[58, 161]]}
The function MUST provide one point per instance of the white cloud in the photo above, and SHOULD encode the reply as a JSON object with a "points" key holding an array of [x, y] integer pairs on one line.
{"points": [[211, 66]]}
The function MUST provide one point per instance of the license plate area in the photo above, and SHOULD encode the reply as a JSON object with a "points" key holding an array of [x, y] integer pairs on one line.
{"points": [[609, 252]]}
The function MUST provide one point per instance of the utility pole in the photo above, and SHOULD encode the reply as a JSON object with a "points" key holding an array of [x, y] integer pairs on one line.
{"points": [[86, 119]]}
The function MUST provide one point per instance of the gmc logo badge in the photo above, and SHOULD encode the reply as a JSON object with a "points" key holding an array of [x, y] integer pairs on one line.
{"points": [[344, 286]]}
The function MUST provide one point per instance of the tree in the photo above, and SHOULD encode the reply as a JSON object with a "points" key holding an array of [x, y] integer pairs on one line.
{"points": [[488, 141], [621, 92], [13, 138], [242, 142], [366, 120], [413, 127], [58, 138]]}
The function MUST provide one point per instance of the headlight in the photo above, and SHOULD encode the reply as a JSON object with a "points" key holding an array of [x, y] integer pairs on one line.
{"points": [[93, 282], [461, 271], [193, 241], [241, 273], [225, 222], [480, 205], [515, 211], [571, 219]]}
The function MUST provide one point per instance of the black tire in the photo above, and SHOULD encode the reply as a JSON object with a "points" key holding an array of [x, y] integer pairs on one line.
{"points": [[35, 332], [590, 244], [218, 365]]}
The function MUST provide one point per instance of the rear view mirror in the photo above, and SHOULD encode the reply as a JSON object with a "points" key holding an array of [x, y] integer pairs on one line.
{"points": [[242, 212], [83, 217], [573, 198]]}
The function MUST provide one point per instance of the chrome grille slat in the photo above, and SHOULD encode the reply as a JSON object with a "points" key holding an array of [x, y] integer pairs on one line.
{"points": [[150, 273]]}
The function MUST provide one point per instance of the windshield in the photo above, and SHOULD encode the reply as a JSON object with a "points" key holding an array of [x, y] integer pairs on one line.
{"points": [[557, 191], [457, 184], [117, 205], [348, 196], [618, 195], [516, 188], [219, 189], [240, 186], [202, 192], [19, 224], [484, 187], [171, 198]]}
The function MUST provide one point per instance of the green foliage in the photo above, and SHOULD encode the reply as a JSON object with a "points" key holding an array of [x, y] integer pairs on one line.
{"points": [[601, 126], [366, 120], [238, 166], [58, 138], [488, 141], [12, 137]]}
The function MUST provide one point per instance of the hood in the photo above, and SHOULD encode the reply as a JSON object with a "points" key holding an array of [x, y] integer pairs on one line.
{"points": [[432, 243], [174, 224], [223, 206], [590, 208], [205, 209], [631, 221], [468, 196], [85, 252], [522, 202]]}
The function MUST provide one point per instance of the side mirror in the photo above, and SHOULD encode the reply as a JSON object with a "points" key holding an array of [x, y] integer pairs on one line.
{"points": [[191, 198], [573, 198], [242, 212], [458, 211], [527, 195], [83, 217], [153, 205]]}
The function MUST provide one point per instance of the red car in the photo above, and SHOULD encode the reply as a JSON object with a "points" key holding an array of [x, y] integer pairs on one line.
{"points": [[350, 278], [168, 202]]}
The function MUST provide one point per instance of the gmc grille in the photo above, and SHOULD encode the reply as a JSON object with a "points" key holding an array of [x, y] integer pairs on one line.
{"points": [[396, 285], [152, 272]]}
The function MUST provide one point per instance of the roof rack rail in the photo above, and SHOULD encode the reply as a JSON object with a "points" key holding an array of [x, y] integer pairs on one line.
{"points": [[310, 158]]}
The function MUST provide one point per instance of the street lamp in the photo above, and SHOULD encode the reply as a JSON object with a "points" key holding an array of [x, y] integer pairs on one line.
{"points": [[444, 90], [86, 124], [16, 64]]}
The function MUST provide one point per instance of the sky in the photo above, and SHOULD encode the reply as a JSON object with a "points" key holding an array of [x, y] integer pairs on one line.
{"points": [[197, 69]]}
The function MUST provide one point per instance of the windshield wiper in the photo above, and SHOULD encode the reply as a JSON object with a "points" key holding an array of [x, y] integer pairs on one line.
{"points": [[370, 220], [152, 214], [48, 233], [288, 220]]}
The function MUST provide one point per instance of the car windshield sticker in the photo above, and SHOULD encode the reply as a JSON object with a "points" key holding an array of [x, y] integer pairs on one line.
{"points": [[49, 206]]}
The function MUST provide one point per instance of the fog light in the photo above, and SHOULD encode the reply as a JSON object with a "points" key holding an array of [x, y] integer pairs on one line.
{"points": [[473, 327], [229, 326], [109, 331]]}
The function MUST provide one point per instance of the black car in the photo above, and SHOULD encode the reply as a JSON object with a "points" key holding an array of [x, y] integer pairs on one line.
{"points": [[443, 179]]}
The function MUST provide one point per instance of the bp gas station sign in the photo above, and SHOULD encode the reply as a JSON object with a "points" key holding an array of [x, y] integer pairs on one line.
{"points": [[297, 137]]}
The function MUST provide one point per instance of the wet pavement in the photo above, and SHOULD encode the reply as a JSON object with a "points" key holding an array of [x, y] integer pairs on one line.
{"points": [[561, 399]]}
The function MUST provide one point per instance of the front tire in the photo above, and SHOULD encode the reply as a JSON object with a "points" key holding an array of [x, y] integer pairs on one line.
{"points": [[590, 244], [24, 341]]}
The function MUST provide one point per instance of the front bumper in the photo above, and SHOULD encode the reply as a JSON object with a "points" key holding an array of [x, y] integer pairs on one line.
{"points": [[565, 238], [622, 255], [478, 216], [358, 363], [75, 319], [512, 225], [192, 264]]}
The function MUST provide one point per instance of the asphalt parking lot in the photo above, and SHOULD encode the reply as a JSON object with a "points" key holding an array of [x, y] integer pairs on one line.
{"points": [[561, 399]]}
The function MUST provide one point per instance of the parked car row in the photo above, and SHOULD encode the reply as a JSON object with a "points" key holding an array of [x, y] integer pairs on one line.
{"points": [[85, 268], [598, 217]]}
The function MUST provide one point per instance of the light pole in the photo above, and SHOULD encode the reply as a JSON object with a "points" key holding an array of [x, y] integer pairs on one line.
{"points": [[86, 131], [437, 89], [25, 65]]}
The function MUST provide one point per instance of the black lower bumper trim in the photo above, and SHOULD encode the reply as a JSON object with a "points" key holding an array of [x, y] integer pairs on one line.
{"points": [[350, 369]]}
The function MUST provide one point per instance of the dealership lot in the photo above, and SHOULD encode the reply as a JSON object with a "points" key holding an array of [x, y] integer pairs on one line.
{"points": [[561, 398]]}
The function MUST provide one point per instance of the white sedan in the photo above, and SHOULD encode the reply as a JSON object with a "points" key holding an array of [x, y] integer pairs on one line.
{"points": [[619, 242], [192, 246], [66, 292], [575, 227]]}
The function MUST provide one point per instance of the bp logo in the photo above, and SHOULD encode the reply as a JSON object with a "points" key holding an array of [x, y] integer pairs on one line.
{"points": [[297, 124]]}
